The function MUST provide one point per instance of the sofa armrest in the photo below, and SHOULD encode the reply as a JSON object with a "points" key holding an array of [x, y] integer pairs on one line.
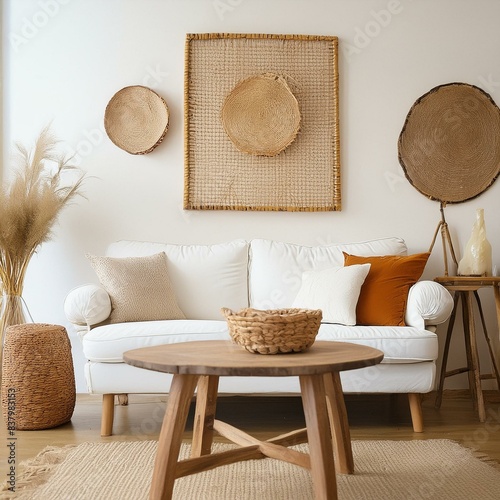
{"points": [[429, 303], [87, 305]]}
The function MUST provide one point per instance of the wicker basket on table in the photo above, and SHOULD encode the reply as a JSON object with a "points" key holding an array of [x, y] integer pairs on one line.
{"points": [[273, 331]]}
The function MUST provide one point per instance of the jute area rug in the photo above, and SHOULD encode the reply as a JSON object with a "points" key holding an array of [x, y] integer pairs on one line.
{"points": [[387, 470]]}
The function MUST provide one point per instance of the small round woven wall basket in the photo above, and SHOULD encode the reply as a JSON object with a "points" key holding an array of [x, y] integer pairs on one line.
{"points": [[273, 331], [261, 115], [136, 119], [449, 146]]}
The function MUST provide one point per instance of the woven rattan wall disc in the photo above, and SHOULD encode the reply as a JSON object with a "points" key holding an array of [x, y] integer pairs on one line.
{"points": [[449, 147], [261, 115], [136, 119]]}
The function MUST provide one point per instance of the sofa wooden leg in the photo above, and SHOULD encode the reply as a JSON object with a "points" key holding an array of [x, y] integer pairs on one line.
{"points": [[108, 414], [417, 418]]}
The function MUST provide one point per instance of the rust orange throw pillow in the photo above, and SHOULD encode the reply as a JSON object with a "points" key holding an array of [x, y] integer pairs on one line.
{"points": [[384, 293]]}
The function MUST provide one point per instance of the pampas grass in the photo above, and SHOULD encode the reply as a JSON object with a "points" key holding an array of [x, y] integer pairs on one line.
{"points": [[44, 183]]}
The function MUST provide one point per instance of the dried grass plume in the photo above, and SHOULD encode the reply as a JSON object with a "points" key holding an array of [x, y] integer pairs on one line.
{"points": [[43, 184]]}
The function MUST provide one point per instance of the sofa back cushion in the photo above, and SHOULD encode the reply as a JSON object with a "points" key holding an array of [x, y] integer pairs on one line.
{"points": [[204, 277], [275, 268]]}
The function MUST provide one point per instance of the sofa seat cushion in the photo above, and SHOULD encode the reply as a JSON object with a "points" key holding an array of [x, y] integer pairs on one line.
{"points": [[107, 343], [400, 344]]}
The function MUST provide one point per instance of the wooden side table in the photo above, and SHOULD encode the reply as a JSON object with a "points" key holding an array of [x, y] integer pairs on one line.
{"points": [[201, 364], [38, 380], [465, 289]]}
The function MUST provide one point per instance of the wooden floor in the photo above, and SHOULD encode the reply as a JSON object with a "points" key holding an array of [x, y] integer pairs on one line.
{"points": [[370, 417]]}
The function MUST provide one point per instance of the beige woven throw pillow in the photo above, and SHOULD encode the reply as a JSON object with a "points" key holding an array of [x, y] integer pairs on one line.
{"points": [[139, 287]]}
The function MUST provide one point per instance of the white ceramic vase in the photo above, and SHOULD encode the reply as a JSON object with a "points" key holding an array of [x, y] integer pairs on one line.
{"points": [[476, 260]]}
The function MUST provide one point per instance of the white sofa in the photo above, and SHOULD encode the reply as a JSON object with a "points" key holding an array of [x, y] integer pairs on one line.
{"points": [[263, 274]]}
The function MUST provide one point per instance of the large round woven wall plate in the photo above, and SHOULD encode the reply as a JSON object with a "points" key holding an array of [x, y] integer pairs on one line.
{"points": [[449, 146], [261, 115], [136, 119]]}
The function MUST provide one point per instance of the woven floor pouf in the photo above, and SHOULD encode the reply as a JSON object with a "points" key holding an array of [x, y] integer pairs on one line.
{"points": [[38, 382]]}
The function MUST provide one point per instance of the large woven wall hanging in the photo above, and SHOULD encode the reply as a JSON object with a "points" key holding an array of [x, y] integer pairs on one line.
{"points": [[449, 147], [261, 122], [136, 119]]}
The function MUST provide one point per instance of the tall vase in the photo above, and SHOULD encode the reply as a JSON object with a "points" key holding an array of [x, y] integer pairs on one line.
{"points": [[477, 254], [13, 311]]}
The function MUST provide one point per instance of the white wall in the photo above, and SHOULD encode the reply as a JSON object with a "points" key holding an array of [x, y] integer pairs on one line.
{"points": [[64, 59]]}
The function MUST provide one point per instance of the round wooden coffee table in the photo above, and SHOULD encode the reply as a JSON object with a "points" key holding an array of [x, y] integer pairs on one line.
{"points": [[202, 363]]}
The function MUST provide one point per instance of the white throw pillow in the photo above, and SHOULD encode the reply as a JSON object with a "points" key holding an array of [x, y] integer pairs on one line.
{"points": [[335, 291]]}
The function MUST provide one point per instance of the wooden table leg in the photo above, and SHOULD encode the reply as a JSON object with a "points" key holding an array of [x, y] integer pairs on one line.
{"points": [[474, 373], [318, 434], [496, 290], [468, 351], [203, 428], [169, 444], [442, 376], [339, 423], [495, 367]]}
